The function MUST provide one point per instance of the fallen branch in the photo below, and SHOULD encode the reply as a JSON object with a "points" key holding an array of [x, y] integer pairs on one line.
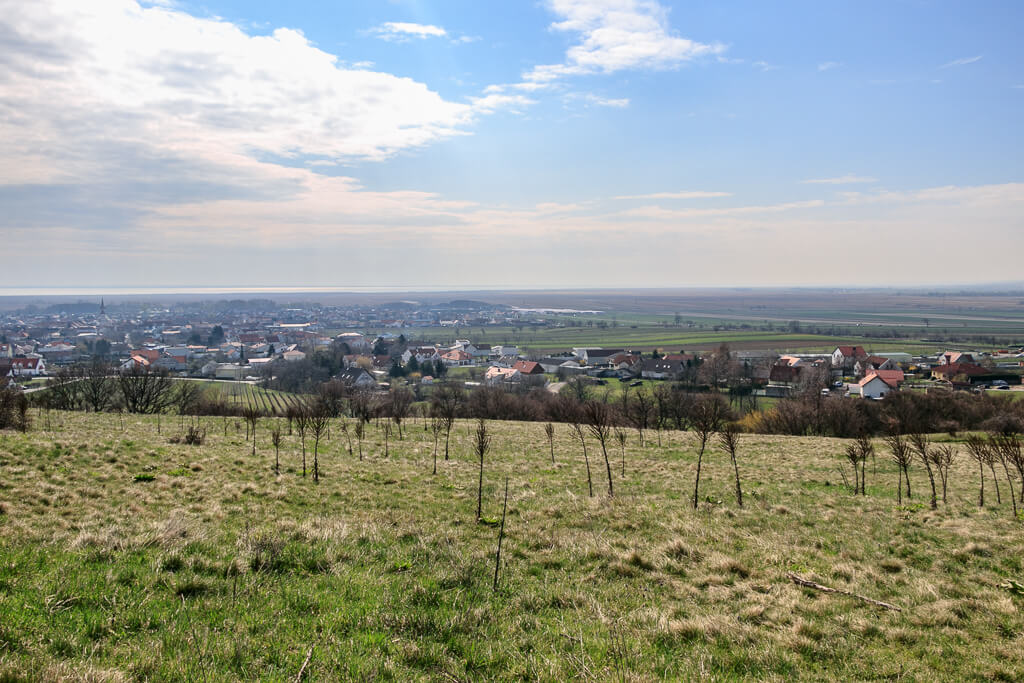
{"points": [[817, 586], [302, 671]]}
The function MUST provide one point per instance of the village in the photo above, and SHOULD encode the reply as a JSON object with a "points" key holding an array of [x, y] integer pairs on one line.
{"points": [[260, 342]]}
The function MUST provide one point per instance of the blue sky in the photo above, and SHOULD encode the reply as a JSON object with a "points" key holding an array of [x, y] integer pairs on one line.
{"points": [[483, 144]]}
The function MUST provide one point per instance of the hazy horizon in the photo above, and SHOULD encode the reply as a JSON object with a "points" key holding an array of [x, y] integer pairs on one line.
{"points": [[468, 146]]}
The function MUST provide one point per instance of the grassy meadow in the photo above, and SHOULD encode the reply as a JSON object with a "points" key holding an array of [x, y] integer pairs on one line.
{"points": [[124, 556]]}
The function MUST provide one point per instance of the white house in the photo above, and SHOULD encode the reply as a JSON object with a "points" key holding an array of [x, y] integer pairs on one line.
{"points": [[421, 354], [873, 386], [293, 355], [845, 356], [27, 367], [502, 350]]}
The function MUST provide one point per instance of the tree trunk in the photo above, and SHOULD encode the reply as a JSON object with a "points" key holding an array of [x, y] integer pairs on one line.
{"points": [[981, 491], [696, 481], [608, 466]]}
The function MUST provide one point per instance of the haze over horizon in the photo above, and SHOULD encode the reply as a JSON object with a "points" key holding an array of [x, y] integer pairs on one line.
{"points": [[460, 145]]}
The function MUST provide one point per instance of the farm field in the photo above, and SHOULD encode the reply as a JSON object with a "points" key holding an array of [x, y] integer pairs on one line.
{"points": [[127, 557], [268, 401]]}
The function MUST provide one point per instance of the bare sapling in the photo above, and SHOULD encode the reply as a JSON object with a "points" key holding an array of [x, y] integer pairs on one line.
{"points": [[481, 442], [599, 421], [1010, 449], [852, 454], [549, 431], [302, 426], [1007, 450], [900, 451], [977, 449], [436, 426], [251, 415], [620, 436], [348, 437], [729, 438], [708, 414], [275, 439], [943, 457], [387, 433], [865, 450], [360, 430], [920, 444], [578, 431], [501, 537], [319, 421]]}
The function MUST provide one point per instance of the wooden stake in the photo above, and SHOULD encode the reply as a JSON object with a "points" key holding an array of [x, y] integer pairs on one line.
{"points": [[817, 586]]}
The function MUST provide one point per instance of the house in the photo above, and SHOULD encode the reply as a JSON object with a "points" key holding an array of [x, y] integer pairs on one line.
{"points": [[968, 373], [27, 367], [171, 363], [865, 366], [502, 350], [681, 357], [135, 361], [457, 357], [875, 386], [357, 377], [784, 374], [552, 363], [496, 375], [231, 371], [599, 356], [528, 368], [955, 357], [659, 368], [845, 357], [421, 354], [629, 361], [293, 356]]}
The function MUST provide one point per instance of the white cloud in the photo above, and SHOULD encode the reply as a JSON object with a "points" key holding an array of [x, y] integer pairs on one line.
{"points": [[614, 102], [693, 194], [848, 179], [962, 61], [81, 73], [495, 100], [826, 66], [402, 30], [765, 66], [616, 35]]}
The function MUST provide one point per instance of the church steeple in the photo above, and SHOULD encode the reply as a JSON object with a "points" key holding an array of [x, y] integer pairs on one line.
{"points": [[103, 307]]}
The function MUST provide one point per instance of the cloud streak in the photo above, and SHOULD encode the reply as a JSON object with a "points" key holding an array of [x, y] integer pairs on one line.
{"points": [[961, 62], [848, 179]]}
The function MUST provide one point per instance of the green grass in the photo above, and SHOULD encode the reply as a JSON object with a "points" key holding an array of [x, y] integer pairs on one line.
{"points": [[233, 572]]}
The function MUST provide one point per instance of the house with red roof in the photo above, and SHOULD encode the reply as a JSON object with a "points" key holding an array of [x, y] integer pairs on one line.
{"points": [[27, 367], [846, 356], [877, 386], [528, 367]]}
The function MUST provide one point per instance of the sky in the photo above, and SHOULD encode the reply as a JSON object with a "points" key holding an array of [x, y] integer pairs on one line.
{"points": [[481, 144]]}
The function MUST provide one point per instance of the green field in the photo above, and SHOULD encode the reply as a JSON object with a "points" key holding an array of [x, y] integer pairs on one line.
{"points": [[124, 556]]}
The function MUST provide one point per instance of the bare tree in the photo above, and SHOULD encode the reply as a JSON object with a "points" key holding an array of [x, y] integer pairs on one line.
{"points": [[481, 442], [360, 429], [63, 389], [641, 411], [400, 402], [387, 433], [620, 436], [978, 449], [900, 452], [729, 437], [943, 457], [251, 414], [445, 405], [578, 431], [920, 444], [436, 425], [275, 439], [319, 420], [599, 422], [549, 431], [1008, 450], [97, 386], [858, 453], [301, 419], [709, 412], [144, 390]]}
